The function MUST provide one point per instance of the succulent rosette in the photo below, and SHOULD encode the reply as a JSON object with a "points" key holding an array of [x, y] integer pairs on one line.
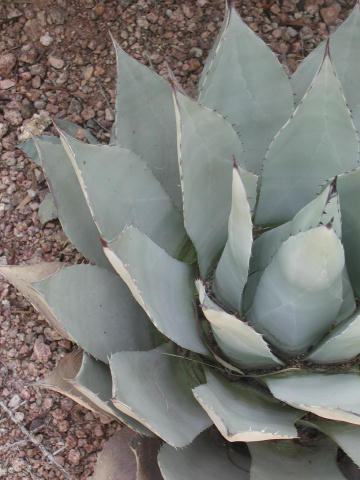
{"points": [[218, 310]]}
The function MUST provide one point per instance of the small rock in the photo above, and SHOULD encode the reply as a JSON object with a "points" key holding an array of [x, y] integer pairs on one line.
{"points": [[28, 55], [52, 335], [88, 113], [14, 13], [38, 123], [87, 72], [13, 117], [331, 14], [46, 40], [42, 351], [7, 63], [6, 84], [19, 416], [14, 401], [18, 465], [32, 28], [36, 82], [194, 64], [56, 62], [109, 116], [56, 16], [3, 129], [196, 52], [74, 456]]}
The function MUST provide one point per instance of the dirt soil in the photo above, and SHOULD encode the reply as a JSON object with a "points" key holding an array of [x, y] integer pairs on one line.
{"points": [[56, 59]]}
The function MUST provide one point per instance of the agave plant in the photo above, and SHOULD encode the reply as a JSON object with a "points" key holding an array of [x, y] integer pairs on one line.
{"points": [[218, 308]]}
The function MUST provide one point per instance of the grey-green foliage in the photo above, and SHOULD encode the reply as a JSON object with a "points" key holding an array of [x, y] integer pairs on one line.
{"points": [[196, 325]]}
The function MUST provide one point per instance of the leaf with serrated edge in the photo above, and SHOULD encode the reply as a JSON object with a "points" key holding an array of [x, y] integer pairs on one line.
{"points": [[317, 143], [341, 345], [244, 414], [162, 286], [206, 147], [29, 148], [124, 192], [207, 458], [23, 276], [232, 270], [345, 435], [99, 313], [268, 243], [152, 388], [73, 211], [345, 54], [333, 396], [87, 382], [300, 292], [144, 120], [244, 81], [238, 340], [289, 460]]}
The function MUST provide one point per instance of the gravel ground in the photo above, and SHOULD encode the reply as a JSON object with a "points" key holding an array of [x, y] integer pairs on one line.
{"points": [[56, 59]]}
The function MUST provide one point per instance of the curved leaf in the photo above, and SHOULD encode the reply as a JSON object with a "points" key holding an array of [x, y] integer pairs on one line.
{"points": [[74, 213], [348, 186], [288, 460], [155, 388], [162, 286], [244, 414], [145, 121], [72, 129], [232, 270], [317, 143], [333, 396], [246, 83], [300, 292], [29, 148], [345, 54], [206, 146], [91, 305], [341, 345], [238, 340], [121, 190], [87, 382], [205, 459], [345, 435]]}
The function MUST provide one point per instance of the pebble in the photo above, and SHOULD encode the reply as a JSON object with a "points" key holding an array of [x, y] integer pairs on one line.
{"points": [[13, 116], [56, 62], [331, 14], [14, 401], [3, 129], [42, 351], [46, 39], [6, 84], [74, 456], [7, 63]]}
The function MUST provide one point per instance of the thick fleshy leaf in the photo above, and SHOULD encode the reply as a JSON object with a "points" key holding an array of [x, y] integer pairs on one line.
{"points": [[348, 186], [207, 458], [87, 304], [245, 414], [72, 129], [73, 211], [348, 305], [145, 121], [232, 270], [88, 382], [317, 143], [289, 460], [341, 345], [300, 292], [333, 396], [22, 278], [29, 148], [163, 286], [246, 83], [155, 388], [345, 435], [238, 340], [345, 54], [269, 242], [47, 210], [206, 147], [125, 192]]}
